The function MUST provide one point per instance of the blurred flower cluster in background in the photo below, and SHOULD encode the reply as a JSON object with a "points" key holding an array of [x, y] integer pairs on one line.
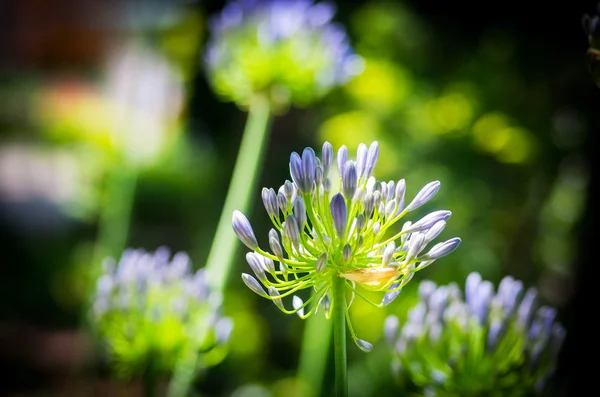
{"points": [[120, 122]]}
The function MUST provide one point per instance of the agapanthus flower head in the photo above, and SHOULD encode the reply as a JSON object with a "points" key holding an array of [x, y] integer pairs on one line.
{"points": [[320, 234], [489, 343], [150, 308], [285, 50]]}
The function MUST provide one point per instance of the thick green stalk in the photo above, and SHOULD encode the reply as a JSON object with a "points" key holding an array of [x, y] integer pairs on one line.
{"points": [[313, 356], [241, 190], [339, 336]]}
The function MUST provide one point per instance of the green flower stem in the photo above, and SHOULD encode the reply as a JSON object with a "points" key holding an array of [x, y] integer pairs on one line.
{"points": [[313, 355], [183, 375], [339, 336], [115, 216], [241, 189]]}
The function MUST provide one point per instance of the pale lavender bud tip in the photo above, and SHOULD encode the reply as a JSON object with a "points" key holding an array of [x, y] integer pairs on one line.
{"points": [[349, 180], [326, 157], [426, 288], [390, 296], [342, 157], [309, 165], [296, 170], [253, 284], [372, 156], [364, 345], [429, 220], [243, 229], [297, 304], [390, 328], [442, 249], [426, 194]]}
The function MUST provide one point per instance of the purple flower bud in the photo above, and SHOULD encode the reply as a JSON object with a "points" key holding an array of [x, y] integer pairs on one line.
{"points": [[364, 345], [289, 189], [372, 156], [360, 223], [349, 180], [300, 213], [471, 286], [321, 262], [276, 248], [369, 204], [297, 305], [269, 198], [435, 231], [319, 175], [275, 294], [481, 302], [327, 185], [253, 284], [338, 212], [326, 158], [400, 191], [326, 305], [296, 170], [390, 209], [309, 165], [291, 230], [557, 338], [346, 253], [361, 159], [243, 230], [223, 329], [429, 220], [282, 201], [442, 249], [391, 190], [390, 296], [342, 157], [547, 315], [269, 265], [426, 194], [388, 252], [255, 262], [415, 246], [527, 307], [494, 334], [438, 301], [426, 289], [390, 328]]}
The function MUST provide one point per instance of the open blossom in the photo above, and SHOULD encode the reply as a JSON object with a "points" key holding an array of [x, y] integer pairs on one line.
{"points": [[149, 308], [285, 50], [489, 343], [320, 234]]}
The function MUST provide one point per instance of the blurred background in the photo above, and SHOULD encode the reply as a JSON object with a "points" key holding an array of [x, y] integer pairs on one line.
{"points": [[108, 102]]}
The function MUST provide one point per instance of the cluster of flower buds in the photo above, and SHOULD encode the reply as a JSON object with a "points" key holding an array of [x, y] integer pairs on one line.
{"points": [[485, 344], [320, 234], [285, 50], [148, 308]]}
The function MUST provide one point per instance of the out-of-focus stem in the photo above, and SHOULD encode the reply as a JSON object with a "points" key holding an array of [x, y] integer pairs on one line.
{"points": [[115, 216], [241, 189], [313, 355]]}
